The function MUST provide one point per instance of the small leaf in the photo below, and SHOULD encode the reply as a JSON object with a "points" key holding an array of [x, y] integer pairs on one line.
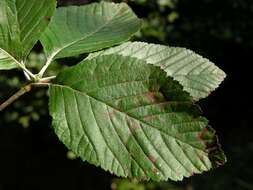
{"points": [[129, 118], [21, 24], [196, 74], [82, 29]]}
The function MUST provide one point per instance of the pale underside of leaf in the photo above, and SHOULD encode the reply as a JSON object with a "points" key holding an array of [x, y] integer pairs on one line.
{"points": [[125, 116], [82, 29], [21, 24], [196, 74]]}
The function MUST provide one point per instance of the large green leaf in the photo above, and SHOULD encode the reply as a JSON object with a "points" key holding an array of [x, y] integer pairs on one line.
{"points": [[81, 29], [127, 117], [196, 74], [21, 24]]}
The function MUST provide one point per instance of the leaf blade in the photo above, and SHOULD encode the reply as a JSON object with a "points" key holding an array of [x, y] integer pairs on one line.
{"points": [[7, 62], [88, 28], [196, 74], [112, 112], [34, 21], [21, 24]]}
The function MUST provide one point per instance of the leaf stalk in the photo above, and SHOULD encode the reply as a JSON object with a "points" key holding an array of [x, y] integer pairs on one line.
{"points": [[49, 61]]}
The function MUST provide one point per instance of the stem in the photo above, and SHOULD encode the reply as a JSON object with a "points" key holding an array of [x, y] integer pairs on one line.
{"points": [[27, 76], [14, 97], [47, 79], [28, 72], [49, 60], [21, 92]]}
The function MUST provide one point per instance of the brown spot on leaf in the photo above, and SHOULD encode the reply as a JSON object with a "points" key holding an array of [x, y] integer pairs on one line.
{"points": [[202, 134], [112, 113], [148, 118], [201, 157], [213, 148], [151, 97], [143, 178], [152, 158], [47, 18], [133, 125], [192, 173], [155, 171]]}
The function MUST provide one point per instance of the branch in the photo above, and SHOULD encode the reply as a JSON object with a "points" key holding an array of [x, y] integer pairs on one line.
{"points": [[44, 82], [14, 97]]}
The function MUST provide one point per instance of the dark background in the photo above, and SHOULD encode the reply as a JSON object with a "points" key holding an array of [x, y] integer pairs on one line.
{"points": [[31, 156]]}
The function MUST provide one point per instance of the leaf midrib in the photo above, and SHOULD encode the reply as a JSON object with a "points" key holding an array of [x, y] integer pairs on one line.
{"points": [[127, 114]]}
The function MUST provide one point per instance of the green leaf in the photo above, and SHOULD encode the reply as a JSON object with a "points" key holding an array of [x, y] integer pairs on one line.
{"points": [[82, 29], [127, 117], [7, 62], [196, 74], [21, 24]]}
